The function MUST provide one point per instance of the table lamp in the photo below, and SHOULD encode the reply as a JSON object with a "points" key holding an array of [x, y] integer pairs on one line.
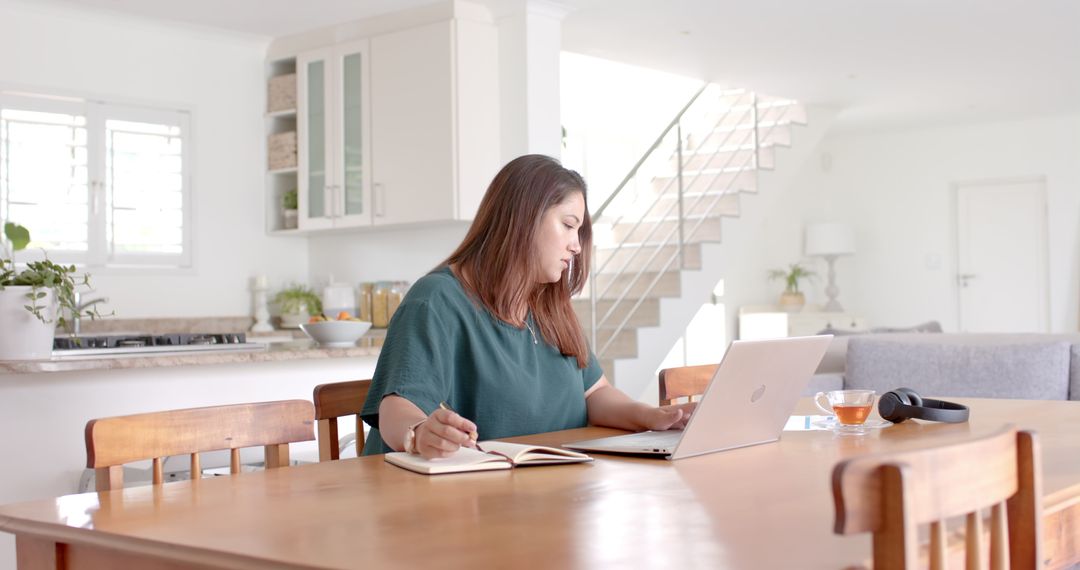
{"points": [[830, 240]]}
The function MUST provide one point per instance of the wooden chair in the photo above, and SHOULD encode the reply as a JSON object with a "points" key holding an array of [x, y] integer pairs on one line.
{"points": [[112, 442], [889, 494], [333, 401], [684, 382]]}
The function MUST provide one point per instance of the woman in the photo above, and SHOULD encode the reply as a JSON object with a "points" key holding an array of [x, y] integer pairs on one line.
{"points": [[492, 334]]}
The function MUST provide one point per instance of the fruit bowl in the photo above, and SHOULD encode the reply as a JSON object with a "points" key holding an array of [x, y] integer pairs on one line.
{"points": [[336, 334]]}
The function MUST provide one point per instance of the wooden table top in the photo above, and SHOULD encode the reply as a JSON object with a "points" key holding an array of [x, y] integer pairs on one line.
{"points": [[763, 506]]}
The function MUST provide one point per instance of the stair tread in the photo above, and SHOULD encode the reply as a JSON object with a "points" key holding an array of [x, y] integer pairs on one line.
{"points": [[654, 219], [744, 122], [732, 148]]}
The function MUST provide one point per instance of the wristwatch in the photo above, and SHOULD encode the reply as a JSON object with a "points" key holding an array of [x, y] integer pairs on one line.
{"points": [[410, 438]]}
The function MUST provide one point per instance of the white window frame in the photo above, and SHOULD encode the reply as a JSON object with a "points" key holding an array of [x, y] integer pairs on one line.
{"points": [[99, 255]]}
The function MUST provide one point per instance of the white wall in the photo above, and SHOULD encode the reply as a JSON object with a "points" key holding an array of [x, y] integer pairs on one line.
{"points": [[219, 76], [894, 188], [612, 113], [384, 255]]}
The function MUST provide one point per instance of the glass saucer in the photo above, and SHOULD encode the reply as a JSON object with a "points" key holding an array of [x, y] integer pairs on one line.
{"points": [[870, 423]]}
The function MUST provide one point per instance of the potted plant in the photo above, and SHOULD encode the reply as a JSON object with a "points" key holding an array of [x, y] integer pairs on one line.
{"points": [[30, 300], [290, 213], [297, 304], [791, 300]]}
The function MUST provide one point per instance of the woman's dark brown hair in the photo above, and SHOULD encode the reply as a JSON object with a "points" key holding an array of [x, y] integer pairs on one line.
{"points": [[496, 261]]}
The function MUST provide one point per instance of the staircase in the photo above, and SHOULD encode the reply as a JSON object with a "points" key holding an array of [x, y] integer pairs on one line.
{"points": [[651, 229]]}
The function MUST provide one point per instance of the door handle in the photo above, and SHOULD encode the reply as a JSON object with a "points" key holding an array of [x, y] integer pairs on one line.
{"points": [[963, 278], [380, 199]]}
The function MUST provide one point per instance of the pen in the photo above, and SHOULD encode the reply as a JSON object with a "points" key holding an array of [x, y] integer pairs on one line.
{"points": [[473, 435]]}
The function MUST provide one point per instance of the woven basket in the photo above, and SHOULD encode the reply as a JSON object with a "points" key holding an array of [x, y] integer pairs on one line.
{"points": [[282, 94], [281, 151]]}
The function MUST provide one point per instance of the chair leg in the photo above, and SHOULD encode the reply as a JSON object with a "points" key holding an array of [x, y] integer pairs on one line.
{"points": [[359, 436], [896, 544], [328, 440], [277, 456], [107, 478], [973, 535], [1025, 507]]}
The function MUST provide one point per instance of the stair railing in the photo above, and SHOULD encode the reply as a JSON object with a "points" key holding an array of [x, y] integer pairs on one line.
{"points": [[751, 162]]}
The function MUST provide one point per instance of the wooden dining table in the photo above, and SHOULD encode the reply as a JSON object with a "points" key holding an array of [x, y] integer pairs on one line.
{"points": [[765, 506]]}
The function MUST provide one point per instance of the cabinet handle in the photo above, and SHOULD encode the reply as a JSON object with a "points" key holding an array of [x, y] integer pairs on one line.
{"points": [[94, 193], [380, 200]]}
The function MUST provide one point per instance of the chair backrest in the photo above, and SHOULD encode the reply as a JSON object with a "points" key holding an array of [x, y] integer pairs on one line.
{"points": [[333, 401], [684, 382], [890, 494], [112, 442]]}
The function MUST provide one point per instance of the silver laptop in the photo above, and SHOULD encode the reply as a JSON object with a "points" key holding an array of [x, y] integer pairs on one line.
{"points": [[747, 402]]}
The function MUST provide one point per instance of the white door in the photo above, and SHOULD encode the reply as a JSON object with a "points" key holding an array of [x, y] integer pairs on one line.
{"points": [[1002, 256]]}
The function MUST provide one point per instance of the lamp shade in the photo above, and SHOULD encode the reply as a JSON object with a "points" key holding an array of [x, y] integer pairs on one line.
{"points": [[829, 239]]}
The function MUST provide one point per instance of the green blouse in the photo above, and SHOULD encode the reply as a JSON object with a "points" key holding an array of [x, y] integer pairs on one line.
{"points": [[444, 347]]}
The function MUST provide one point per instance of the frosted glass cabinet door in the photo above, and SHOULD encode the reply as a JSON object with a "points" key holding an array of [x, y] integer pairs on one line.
{"points": [[354, 143], [315, 135]]}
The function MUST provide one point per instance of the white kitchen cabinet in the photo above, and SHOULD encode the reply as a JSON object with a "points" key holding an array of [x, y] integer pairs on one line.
{"points": [[435, 130], [762, 322], [397, 122], [334, 118]]}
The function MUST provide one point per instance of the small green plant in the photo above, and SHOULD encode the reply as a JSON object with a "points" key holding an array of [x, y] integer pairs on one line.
{"points": [[290, 200], [298, 299], [791, 276], [39, 276]]}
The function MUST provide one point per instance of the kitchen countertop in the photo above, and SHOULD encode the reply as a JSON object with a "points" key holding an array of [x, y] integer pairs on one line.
{"points": [[298, 349]]}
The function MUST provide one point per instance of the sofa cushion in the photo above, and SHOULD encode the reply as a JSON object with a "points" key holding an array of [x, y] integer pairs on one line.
{"points": [[824, 383], [927, 327], [975, 365]]}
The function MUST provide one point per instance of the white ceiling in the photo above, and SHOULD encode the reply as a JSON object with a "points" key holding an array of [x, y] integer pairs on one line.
{"points": [[885, 63]]}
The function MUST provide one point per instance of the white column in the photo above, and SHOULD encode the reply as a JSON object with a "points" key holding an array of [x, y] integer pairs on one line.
{"points": [[530, 39]]}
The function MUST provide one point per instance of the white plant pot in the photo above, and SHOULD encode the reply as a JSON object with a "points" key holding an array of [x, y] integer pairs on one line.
{"points": [[293, 320], [290, 218], [22, 335]]}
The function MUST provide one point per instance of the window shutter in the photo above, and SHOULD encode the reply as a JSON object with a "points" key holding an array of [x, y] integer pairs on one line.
{"points": [[44, 176], [97, 184], [145, 187]]}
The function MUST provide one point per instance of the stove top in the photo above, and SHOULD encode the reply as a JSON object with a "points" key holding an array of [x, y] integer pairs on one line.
{"points": [[109, 345], [119, 341]]}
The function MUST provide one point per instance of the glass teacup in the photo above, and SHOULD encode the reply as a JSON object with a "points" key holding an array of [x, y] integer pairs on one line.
{"points": [[851, 408]]}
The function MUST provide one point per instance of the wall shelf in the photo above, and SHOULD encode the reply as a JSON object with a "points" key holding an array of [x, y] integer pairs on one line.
{"points": [[286, 233]]}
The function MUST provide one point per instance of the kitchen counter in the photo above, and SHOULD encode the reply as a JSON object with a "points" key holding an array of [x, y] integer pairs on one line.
{"points": [[58, 398], [298, 349]]}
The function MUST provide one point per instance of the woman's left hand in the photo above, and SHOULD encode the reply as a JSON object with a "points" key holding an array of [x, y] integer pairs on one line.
{"points": [[663, 418]]}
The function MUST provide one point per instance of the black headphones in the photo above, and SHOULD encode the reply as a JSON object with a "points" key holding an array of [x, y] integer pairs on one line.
{"points": [[904, 403]]}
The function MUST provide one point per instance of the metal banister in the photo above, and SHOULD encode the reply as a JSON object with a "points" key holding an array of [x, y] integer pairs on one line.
{"points": [[745, 117]]}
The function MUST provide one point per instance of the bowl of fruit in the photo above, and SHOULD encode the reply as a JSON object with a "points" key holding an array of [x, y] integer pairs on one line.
{"points": [[342, 332]]}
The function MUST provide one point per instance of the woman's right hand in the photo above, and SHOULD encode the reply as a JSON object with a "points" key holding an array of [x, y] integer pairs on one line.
{"points": [[443, 433]]}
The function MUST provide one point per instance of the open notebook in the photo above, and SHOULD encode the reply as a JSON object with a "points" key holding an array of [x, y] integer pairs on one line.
{"points": [[496, 455]]}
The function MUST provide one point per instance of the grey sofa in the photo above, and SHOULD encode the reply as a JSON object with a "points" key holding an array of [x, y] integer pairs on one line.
{"points": [[1022, 366]]}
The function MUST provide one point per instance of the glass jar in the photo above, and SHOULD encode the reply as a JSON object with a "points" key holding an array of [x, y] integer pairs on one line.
{"points": [[367, 291], [380, 298], [394, 297]]}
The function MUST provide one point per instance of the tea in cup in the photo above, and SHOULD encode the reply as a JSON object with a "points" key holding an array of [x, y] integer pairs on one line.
{"points": [[851, 407]]}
